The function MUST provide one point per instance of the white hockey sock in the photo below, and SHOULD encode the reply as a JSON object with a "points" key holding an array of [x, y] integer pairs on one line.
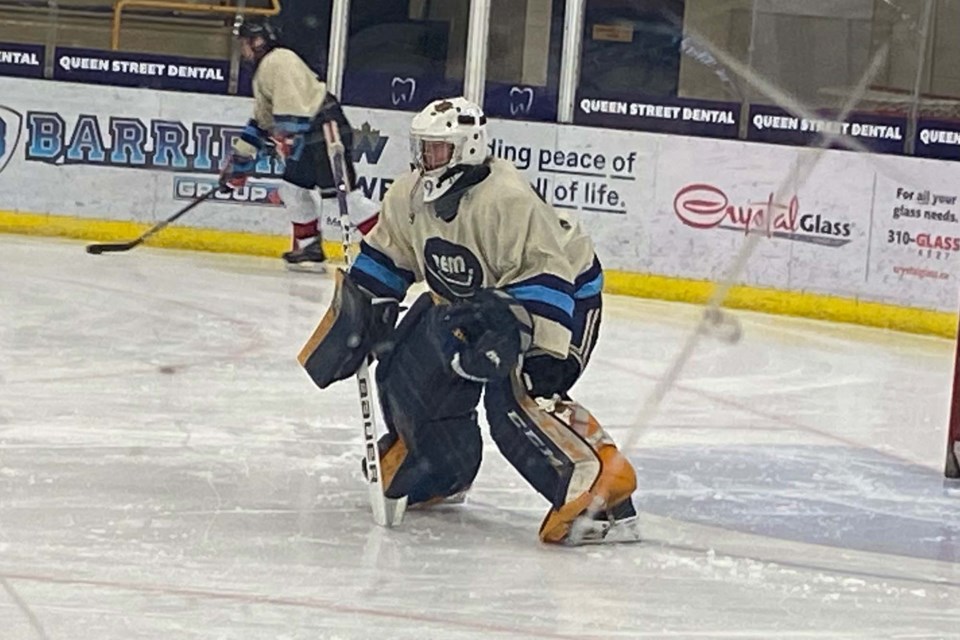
{"points": [[302, 205], [360, 208]]}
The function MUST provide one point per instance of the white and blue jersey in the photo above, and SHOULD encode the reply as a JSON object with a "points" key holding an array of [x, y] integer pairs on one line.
{"points": [[503, 236], [288, 95]]}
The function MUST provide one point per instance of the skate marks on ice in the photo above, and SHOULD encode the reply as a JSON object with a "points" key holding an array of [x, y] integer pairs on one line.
{"points": [[224, 501], [836, 496]]}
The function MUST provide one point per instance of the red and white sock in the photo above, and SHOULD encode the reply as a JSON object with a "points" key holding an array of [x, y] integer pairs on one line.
{"points": [[363, 212], [303, 207], [305, 233]]}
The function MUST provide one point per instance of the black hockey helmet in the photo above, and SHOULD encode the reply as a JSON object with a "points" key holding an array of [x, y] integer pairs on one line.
{"points": [[256, 26]]}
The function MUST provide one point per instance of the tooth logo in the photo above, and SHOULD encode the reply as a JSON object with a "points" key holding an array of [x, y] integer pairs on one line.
{"points": [[521, 100], [402, 90]]}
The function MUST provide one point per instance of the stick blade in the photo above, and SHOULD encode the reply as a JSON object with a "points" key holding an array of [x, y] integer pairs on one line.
{"points": [[97, 249], [387, 512]]}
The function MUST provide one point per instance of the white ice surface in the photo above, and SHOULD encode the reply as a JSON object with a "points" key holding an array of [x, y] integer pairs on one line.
{"points": [[791, 487]]}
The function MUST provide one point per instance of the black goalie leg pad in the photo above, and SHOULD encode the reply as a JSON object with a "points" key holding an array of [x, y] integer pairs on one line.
{"points": [[430, 410], [442, 459], [547, 453]]}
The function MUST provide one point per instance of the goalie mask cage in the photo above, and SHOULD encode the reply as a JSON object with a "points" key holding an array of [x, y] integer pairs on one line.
{"points": [[952, 469]]}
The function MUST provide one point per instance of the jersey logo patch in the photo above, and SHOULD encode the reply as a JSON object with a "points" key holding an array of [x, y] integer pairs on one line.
{"points": [[452, 270]]}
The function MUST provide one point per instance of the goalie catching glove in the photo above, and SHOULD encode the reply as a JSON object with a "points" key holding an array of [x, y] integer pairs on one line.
{"points": [[355, 325], [484, 337]]}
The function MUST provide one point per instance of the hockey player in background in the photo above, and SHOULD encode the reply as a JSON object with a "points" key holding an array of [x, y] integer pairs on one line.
{"points": [[291, 105], [514, 308]]}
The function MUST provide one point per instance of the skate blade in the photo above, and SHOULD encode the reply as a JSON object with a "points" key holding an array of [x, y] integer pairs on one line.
{"points": [[456, 499], [306, 267], [586, 531]]}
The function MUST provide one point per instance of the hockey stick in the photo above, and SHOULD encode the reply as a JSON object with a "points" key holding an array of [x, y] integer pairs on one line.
{"points": [[386, 512], [112, 247]]}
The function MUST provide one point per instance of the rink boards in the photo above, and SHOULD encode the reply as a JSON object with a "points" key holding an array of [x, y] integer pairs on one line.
{"points": [[853, 237]]}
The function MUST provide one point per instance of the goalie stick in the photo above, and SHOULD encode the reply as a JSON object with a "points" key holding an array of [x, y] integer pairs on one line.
{"points": [[386, 511], [112, 247]]}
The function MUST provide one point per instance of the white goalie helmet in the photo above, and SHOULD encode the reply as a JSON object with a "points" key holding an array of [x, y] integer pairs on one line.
{"points": [[446, 134]]}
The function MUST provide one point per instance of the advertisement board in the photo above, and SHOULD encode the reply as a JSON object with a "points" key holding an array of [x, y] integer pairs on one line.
{"points": [[868, 227]]}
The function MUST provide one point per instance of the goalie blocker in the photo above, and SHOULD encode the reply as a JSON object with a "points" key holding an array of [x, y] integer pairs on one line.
{"points": [[354, 326]]}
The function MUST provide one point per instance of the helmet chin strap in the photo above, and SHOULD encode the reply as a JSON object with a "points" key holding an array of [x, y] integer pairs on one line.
{"points": [[461, 179]]}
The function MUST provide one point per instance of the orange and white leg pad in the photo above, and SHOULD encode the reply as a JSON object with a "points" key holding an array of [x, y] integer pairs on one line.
{"points": [[561, 449], [605, 483]]}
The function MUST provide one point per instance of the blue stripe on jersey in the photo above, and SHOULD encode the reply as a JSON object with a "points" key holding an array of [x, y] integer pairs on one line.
{"points": [[377, 279], [592, 272], [253, 134], [546, 280], [549, 311], [291, 125], [590, 289], [377, 273], [545, 295], [590, 282], [386, 261]]}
